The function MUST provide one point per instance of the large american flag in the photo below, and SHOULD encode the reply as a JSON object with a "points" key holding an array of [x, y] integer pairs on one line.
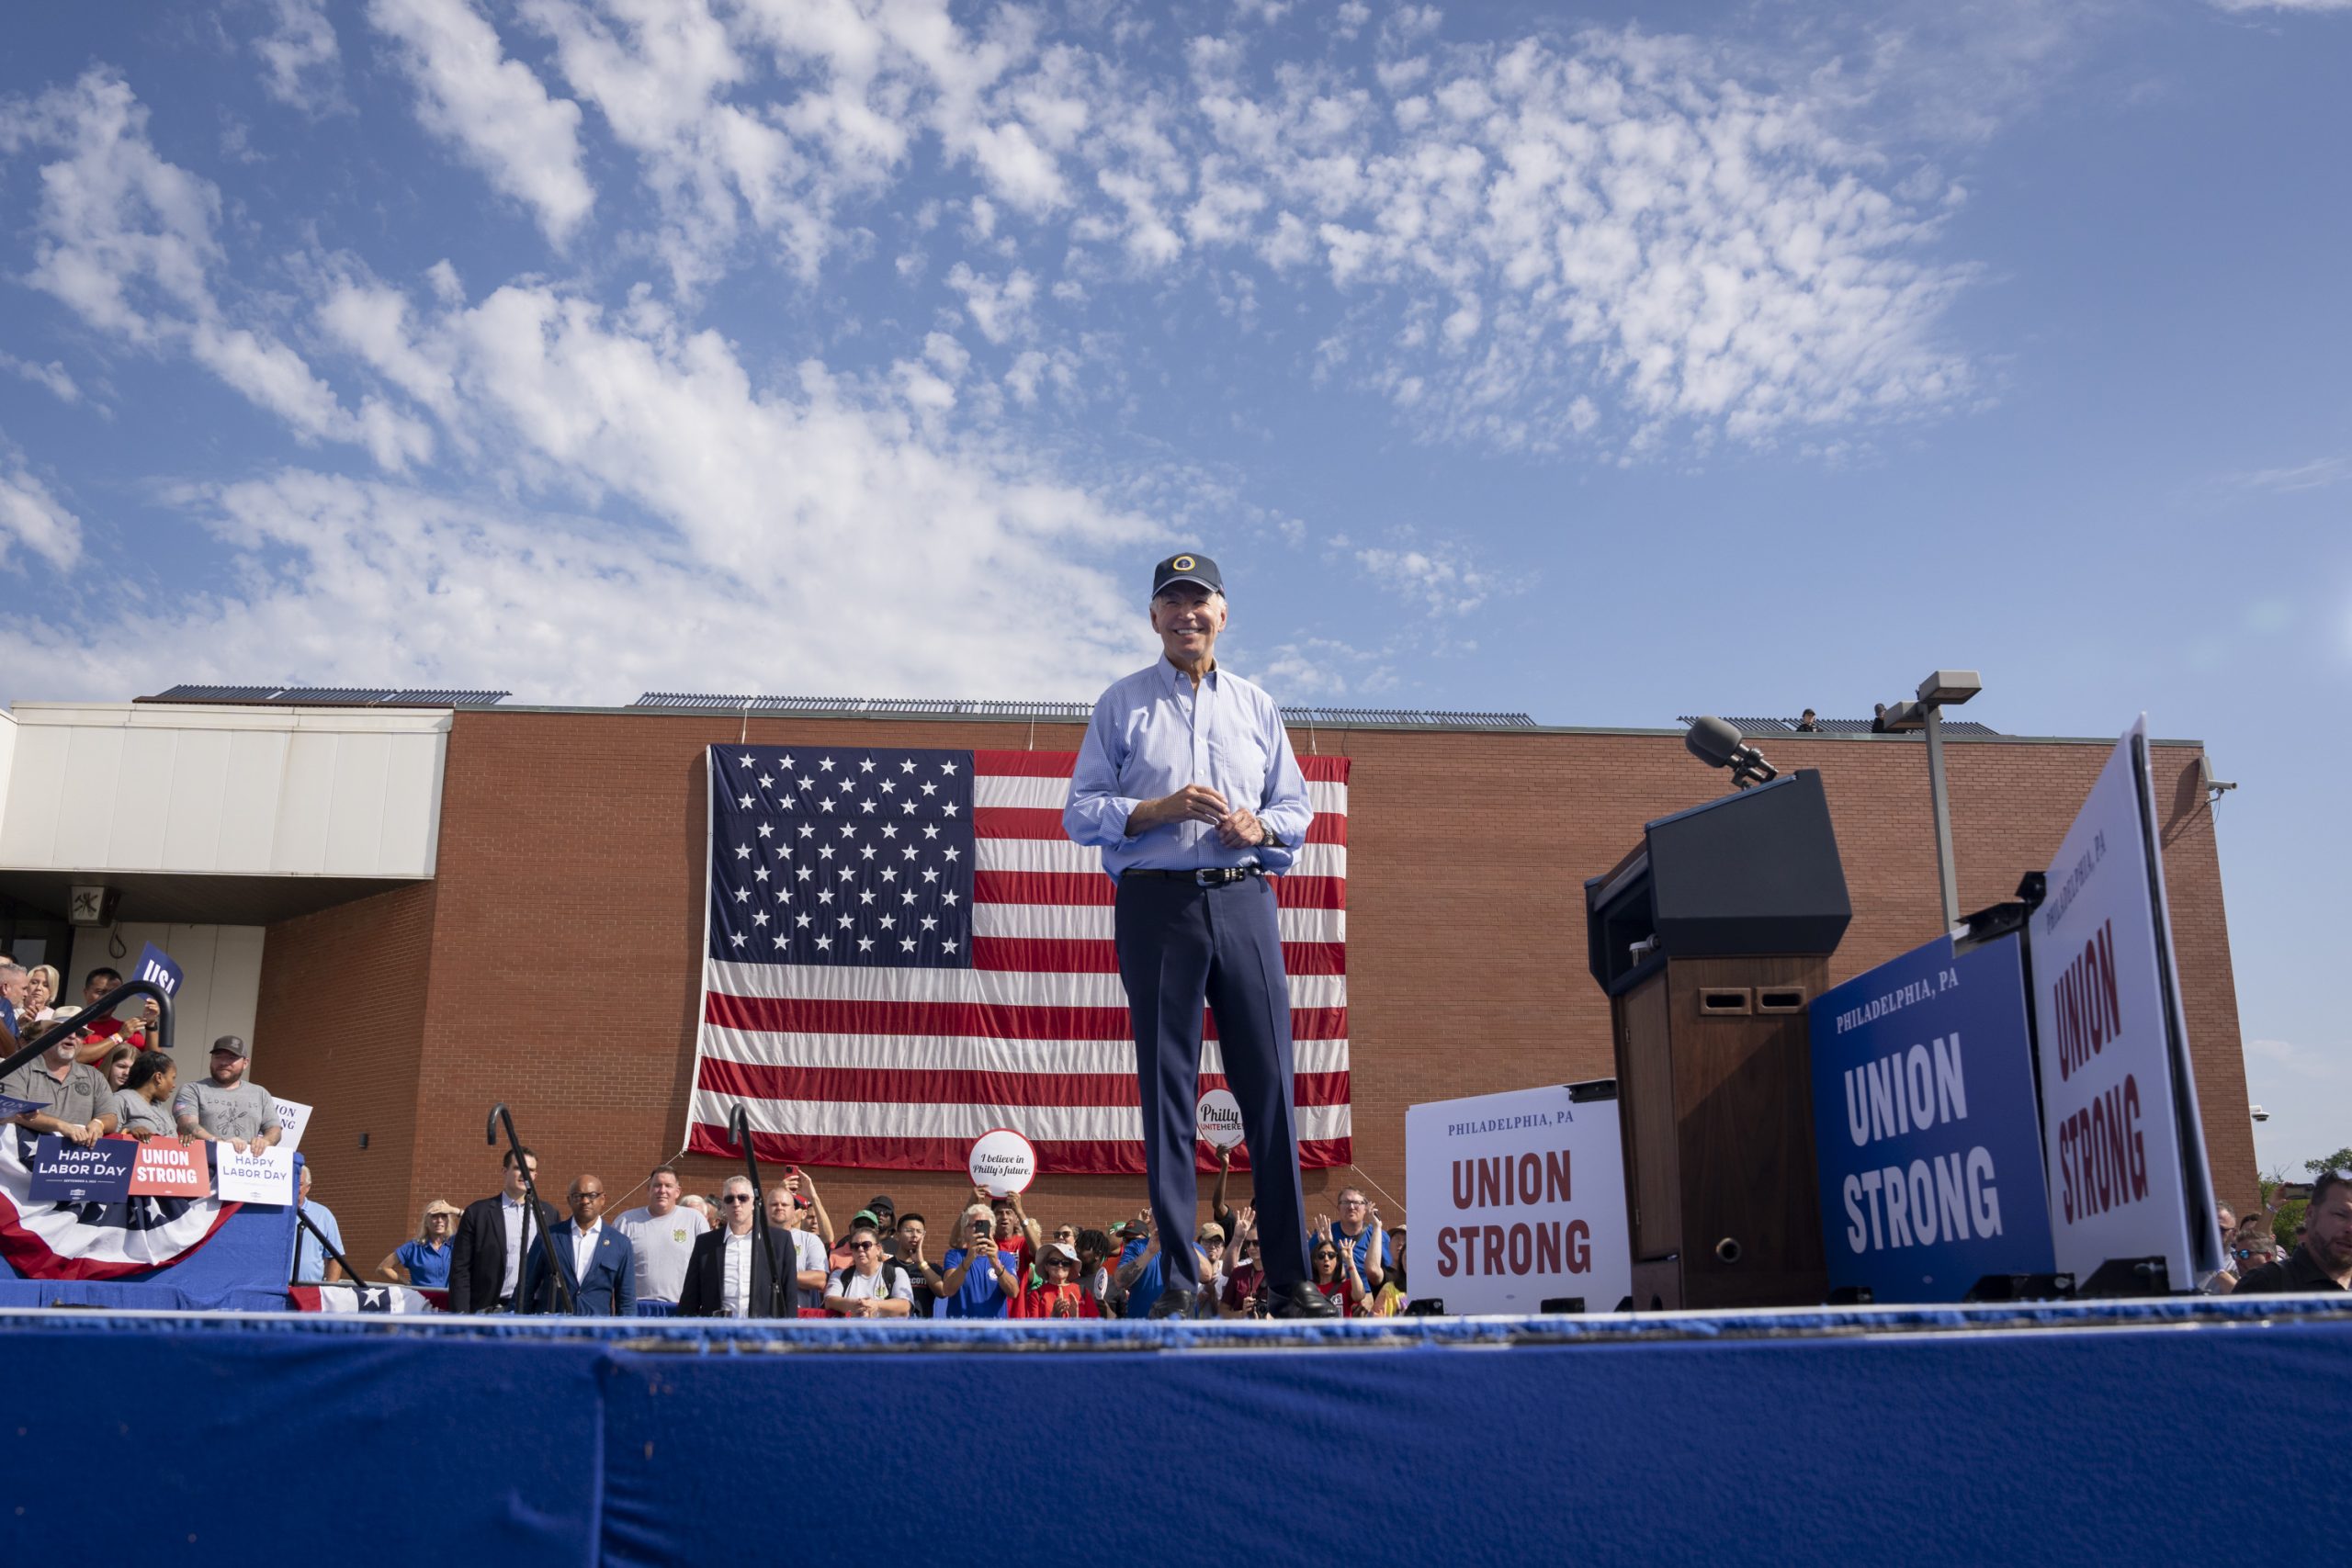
{"points": [[904, 951]]}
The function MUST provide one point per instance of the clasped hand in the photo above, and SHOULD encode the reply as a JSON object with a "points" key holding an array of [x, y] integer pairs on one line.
{"points": [[1237, 827]]}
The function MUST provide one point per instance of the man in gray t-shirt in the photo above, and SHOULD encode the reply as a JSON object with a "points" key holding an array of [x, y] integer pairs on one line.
{"points": [[661, 1238], [226, 1109], [78, 1099]]}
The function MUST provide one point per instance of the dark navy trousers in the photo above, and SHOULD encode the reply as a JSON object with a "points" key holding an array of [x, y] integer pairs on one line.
{"points": [[1180, 944]]}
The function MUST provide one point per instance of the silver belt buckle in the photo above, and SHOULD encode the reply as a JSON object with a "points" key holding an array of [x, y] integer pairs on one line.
{"points": [[1207, 877]]}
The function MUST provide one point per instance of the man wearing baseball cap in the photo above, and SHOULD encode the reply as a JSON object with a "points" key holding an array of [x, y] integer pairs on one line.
{"points": [[227, 1108], [1186, 782]]}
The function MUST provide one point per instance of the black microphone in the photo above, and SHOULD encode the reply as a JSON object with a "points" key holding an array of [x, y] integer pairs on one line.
{"points": [[1719, 744]]}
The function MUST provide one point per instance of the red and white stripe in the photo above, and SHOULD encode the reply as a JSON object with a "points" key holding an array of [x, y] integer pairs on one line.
{"points": [[903, 1068], [49, 1241]]}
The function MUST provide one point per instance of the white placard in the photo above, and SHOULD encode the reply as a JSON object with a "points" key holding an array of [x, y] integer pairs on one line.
{"points": [[266, 1177], [292, 1117], [2121, 1135], [1003, 1161], [1517, 1198], [1217, 1119]]}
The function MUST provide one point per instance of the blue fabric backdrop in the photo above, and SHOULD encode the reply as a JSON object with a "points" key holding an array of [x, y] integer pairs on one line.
{"points": [[1821, 1437], [244, 1267]]}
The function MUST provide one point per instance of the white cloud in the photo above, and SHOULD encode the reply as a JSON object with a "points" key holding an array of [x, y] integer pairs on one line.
{"points": [[301, 60], [999, 306], [31, 517], [125, 238], [881, 544], [52, 376], [2317, 474], [490, 107], [2308, 6], [1440, 578]]}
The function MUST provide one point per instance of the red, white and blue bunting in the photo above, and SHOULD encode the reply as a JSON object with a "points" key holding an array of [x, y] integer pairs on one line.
{"points": [[94, 1241]]}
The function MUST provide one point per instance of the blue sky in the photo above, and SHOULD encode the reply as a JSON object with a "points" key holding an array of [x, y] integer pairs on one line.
{"points": [[1509, 357]]}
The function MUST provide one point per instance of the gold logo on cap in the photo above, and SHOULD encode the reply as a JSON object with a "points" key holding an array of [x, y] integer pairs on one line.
{"points": [[1182, 563]]}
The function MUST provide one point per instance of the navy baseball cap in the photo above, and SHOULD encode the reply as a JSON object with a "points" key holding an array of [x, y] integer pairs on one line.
{"points": [[1186, 568]]}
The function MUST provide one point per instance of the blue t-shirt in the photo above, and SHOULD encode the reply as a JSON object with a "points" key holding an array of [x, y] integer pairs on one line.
{"points": [[427, 1269], [1363, 1247], [309, 1258], [979, 1295], [1147, 1284]]}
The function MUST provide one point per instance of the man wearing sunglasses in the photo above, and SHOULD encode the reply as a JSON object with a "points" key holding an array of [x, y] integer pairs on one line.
{"points": [[2323, 1261], [727, 1275]]}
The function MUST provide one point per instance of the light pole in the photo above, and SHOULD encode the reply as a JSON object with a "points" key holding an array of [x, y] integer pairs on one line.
{"points": [[1942, 688]]}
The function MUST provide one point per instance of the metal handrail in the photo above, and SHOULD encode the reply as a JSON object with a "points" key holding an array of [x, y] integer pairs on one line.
{"points": [[80, 1021]]}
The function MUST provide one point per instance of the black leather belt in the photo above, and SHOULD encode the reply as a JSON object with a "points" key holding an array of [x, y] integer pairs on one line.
{"points": [[1208, 876]]}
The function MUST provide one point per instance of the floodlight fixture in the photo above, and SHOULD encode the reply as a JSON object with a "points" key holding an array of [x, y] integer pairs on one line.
{"points": [[1950, 688]]}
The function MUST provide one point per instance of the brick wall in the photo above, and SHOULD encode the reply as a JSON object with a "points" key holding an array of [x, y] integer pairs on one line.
{"points": [[342, 1005], [565, 929]]}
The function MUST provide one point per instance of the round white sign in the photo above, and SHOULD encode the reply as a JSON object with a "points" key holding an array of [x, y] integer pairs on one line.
{"points": [[1218, 1118], [1003, 1161]]}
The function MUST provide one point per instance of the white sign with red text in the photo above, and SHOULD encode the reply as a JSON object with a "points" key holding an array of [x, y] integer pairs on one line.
{"points": [[1517, 1199], [2121, 1139]]}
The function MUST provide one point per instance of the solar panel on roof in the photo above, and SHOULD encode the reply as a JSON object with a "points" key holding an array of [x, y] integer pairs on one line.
{"points": [[1004, 708], [200, 694], [1752, 727]]}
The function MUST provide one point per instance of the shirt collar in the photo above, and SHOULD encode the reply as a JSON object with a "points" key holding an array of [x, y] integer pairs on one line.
{"points": [[592, 1230], [1176, 681]]}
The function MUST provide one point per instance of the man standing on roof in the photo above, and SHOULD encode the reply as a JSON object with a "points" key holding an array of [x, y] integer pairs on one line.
{"points": [[1186, 782]]}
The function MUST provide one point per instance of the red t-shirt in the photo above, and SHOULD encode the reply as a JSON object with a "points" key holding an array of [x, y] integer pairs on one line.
{"points": [[1337, 1291], [1040, 1301], [1242, 1283]]}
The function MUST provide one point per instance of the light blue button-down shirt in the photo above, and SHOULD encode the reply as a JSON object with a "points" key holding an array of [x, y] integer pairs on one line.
{"points": [[1152, 734]]}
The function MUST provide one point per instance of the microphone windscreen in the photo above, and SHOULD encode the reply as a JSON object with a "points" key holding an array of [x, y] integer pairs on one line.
{"points": [[1713, 741]]}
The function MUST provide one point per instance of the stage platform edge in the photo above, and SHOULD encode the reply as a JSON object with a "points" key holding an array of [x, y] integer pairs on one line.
{"points": [[1869, 1434]]}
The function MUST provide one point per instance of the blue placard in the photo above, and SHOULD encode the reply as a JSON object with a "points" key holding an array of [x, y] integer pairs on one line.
{"points": [[11, 1107], [1924, 1121], [155, 965], [66, 1172]]}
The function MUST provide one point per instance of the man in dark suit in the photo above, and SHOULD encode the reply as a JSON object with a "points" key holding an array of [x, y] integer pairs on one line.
{"points": [[727, 1276], [598, 1266], [486, 1258]]}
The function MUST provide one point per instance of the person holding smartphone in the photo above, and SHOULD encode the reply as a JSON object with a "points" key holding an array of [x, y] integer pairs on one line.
{"points": [[975, 1277]]}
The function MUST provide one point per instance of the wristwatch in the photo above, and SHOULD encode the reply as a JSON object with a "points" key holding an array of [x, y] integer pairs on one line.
{"points": [[1273, 841]]}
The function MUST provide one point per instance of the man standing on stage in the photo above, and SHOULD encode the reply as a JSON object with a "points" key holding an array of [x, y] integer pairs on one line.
{"points": [[1186, 782]]}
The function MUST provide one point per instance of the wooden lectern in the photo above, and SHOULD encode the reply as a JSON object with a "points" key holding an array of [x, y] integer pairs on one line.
{"points": [[1712, 938]]}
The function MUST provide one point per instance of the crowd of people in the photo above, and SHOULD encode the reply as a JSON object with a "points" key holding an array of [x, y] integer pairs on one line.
{"points": [[702, 1254], [695, 1255], [105, 1077], [2256, 1261]]}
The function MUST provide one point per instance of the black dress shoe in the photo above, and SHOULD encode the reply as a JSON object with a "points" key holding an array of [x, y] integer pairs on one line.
{"points": [[1174, 1300], [1303, 1301]]}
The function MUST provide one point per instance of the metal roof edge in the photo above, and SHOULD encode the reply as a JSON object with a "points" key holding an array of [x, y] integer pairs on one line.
{"points": [[630, 711]]}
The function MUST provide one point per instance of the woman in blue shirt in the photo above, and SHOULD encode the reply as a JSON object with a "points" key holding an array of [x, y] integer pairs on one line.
{"points": [[424, 1263]]}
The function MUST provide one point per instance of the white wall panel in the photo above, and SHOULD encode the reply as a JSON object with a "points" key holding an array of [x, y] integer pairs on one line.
{"points": [[298, 791], [256, 768], [355, 838], [85, 808], [193, 811]]}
